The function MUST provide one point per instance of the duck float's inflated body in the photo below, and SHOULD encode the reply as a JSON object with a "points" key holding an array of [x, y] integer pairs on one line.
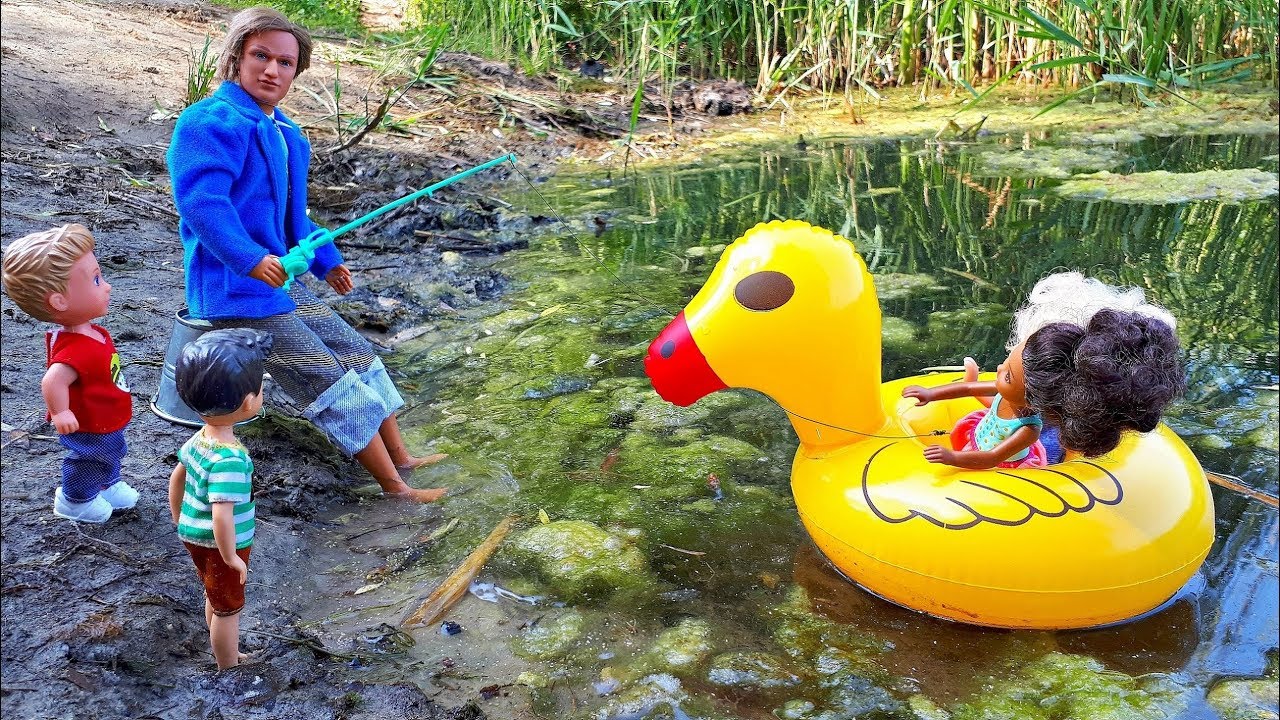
{"points": [[790, 310]]}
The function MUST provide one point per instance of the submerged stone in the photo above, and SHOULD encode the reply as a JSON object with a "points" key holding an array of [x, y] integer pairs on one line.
{"points": [[1246, 699], [831, 646], [642, 698], [795, 710], [1050, 162], [579, 560], [1249, 699], [1161, 187], [550, 638], [681, 648], [854, 697], [1060, 686], [921, 707], [751, 671], [556, 386]]}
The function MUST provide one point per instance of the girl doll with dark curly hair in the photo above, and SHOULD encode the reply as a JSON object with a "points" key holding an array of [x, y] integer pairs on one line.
{"points": [[1090, 360]]}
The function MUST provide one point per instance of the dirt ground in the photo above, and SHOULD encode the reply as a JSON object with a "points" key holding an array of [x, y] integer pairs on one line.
{"points": [[105, 621]]}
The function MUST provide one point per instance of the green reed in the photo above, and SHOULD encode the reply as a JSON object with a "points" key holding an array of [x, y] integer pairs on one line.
{"points": [[1137, 47]]}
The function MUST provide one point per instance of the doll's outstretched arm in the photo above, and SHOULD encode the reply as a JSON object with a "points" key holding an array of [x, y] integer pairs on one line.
{"points": [[950, 391], [55, 387], [177, 489], [1020, 440]]}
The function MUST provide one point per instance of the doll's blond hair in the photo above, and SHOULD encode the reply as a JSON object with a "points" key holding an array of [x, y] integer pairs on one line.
{"points": [[39, 265], [257, 20]]}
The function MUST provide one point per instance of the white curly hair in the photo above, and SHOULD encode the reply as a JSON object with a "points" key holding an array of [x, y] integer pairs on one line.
{"points": [[1073, 298]]}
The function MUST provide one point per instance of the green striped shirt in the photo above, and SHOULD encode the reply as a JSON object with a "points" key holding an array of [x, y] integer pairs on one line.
{"points": [[215, 473]]}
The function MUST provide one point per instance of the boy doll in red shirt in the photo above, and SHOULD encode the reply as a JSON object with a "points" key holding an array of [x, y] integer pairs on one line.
{"points": [[53, 276]]}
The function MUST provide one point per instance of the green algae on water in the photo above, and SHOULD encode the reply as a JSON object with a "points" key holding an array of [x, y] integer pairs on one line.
{"points": [[1050, 162], [1061, 686], [1161, 187]]}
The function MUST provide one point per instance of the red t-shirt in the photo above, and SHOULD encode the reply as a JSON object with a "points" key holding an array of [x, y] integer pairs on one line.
{"points": [[100, 396]]}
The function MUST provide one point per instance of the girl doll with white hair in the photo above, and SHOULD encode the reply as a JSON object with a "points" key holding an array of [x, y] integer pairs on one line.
{"points": [[1088, 359]]}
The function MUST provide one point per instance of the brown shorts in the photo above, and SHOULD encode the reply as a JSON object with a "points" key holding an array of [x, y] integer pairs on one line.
{"points": [[221, 584]]}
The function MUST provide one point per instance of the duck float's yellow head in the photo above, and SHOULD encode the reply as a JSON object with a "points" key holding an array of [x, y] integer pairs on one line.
{"points": [[791, 311]]}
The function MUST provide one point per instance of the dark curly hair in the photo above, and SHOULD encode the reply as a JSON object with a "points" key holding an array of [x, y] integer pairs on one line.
{"points": [[1096, 382]]}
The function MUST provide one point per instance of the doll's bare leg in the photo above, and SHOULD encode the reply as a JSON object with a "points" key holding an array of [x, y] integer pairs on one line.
{"points": [[208, 614], [224, 635], [389, 431], [375, 458]]}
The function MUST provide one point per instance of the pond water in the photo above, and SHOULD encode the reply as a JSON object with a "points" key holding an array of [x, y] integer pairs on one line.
{"points": [[706, 598]]}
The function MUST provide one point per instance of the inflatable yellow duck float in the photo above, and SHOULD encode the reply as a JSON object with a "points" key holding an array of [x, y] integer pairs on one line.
{"points": [[790, 310]]}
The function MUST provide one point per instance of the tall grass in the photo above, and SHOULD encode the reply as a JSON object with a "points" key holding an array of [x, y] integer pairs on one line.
{"points": [[342, 15], [1139, 46], [201, 68]]}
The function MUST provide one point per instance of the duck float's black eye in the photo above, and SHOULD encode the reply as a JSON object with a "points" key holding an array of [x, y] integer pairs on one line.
{"points": [[765, 290]]}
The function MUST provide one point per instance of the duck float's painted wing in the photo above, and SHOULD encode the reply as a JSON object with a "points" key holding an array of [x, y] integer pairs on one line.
{"points": [[959, 499]]}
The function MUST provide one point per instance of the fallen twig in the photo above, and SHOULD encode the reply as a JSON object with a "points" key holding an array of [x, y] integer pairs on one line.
{"points": [[406, 523], [140, 203], [681, 550], [304, 642], [455, 586], [1234, 484]]}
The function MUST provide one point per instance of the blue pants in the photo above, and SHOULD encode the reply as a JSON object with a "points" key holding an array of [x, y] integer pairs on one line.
{"points": [[328, 369], [1053, 450], [92, 463]]}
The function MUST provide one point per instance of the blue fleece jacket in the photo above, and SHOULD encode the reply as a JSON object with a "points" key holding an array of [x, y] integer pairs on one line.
{"points": [[239, 196]]}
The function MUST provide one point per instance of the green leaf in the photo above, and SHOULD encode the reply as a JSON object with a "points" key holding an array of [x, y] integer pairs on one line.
{"points": [[1064, 98], [1035, 34], [1127, 79], [965, 84], [1220, 65], [1063, 62], [998, 13], [1001, 80], [1057, 32], [1230, 78], [566, 26]]}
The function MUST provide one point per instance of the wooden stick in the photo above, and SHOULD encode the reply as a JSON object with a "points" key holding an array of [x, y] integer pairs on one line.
{"points": [[1243, 489], [455, 586]]}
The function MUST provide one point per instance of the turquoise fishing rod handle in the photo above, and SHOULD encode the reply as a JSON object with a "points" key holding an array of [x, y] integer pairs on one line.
{"points": [[298, 259]]}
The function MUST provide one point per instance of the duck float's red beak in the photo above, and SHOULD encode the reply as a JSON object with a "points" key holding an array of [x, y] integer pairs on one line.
{"points": [[676, 367]]}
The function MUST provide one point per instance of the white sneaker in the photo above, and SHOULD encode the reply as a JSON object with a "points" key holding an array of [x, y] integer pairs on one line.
{"points": [[120, 495], [97, 510]]}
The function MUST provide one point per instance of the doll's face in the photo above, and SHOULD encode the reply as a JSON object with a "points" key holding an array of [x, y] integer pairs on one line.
{"points": [[267, 67], [249, 408], [86, 296], [1009, 382]]}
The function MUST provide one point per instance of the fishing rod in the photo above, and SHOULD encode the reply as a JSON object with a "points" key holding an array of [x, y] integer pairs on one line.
{"points": [[299, 257]]}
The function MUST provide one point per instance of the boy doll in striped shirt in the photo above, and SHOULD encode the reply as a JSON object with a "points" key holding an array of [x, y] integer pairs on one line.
{"points": [[219, 375]]}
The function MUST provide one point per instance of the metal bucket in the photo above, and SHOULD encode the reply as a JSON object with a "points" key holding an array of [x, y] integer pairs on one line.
{"points": [[166, 403]]}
